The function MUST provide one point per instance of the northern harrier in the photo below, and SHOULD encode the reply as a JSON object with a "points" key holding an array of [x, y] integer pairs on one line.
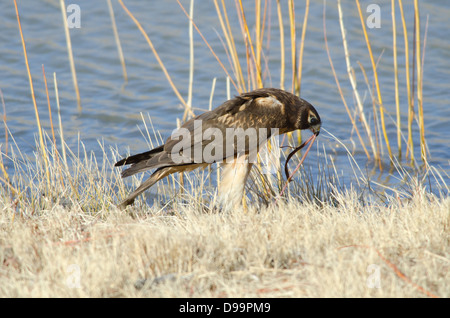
{"points": [[239, 127]]}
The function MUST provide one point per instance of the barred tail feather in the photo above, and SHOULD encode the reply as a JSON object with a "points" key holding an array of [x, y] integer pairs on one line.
{"points": [[139, 157], [155, 177]]}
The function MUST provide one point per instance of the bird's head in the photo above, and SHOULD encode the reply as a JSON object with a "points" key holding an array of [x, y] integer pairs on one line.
{"points": [[307, 117], [290, 111], [302, 115]]}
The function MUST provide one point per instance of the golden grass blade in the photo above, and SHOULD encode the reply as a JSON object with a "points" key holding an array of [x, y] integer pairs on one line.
{"points": [[4, 122], [38, 121], [48, 103], [51, 126], [117, 39], [302, 44], [375, 116], [2, 167], [258, 32], [241, 12], [191, 54], [375, 73], [422, 123], [231, 45], [282, 53], [410, 143], [206, 42], [61, 130], [70, 54], [339, 86], [251, 82], [351, 77], [423, 151], [6, 180], [397, 102], [158, 59], [263, 27], [293, 44]]}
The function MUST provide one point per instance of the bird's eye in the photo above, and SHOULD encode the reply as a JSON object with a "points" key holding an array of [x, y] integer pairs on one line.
{"points": [[313, 121]]}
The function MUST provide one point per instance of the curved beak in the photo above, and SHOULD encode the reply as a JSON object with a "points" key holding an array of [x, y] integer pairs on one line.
{"points": [[316, 129]]}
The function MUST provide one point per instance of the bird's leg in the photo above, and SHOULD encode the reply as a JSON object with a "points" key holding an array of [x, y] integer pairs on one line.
{"points": [[232, 184]]}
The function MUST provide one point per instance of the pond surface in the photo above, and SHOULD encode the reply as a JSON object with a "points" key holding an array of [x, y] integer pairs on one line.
{"points": [[111, 109]]}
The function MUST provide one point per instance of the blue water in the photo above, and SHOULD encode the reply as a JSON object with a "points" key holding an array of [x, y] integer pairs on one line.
{"points": [[110, 108]]}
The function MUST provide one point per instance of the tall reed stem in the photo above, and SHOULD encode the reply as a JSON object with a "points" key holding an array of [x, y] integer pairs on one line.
{"points": [[338, 85], [191, 54], [226, 29], [351, 77], [61, 130], [33, 98], [250, 44], [70, 54], [158, 59], [410, 142], [397, 102], [282, 53], [375, 74], [293, 44], [117, 39], [302, 45], [419, 82]]}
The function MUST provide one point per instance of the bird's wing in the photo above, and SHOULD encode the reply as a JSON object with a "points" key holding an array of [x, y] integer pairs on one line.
{"points": [[248, 118], [237, 127]]}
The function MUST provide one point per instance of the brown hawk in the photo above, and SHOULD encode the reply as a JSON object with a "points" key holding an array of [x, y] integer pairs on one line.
{"points": [[240, 126]]}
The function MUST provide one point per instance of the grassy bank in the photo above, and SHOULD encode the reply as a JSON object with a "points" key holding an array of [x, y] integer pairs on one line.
{"points": [[67, 238], [289, 250], [62, 236]]}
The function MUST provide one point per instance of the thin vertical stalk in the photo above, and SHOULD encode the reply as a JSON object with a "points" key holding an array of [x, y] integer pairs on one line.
{"points": [[117, 39], [51, 125], [337, 83], [33, 98], [230, 40], [191, 54], [351, 77], [159, 60], [6, 179], [377, 84], [282, 53], [397, 102], [211, 95], [4, 122], [377, 125], [61, 131], [250, 44], [70, 54], [419, 82], [258, 32], [302, 44], [379, 150], [293, 45], [410, 144], [49, 107]]}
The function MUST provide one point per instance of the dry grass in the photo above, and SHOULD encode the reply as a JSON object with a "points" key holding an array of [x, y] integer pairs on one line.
{"points": [[87, 248], [61, 235], [322, 240]]}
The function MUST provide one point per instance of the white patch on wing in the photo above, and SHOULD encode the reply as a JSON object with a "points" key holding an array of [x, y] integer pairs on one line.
{"points": [[269, 102]]}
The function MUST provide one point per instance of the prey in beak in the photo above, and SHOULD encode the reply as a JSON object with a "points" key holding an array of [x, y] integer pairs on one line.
{"points": [[315, 128]]}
